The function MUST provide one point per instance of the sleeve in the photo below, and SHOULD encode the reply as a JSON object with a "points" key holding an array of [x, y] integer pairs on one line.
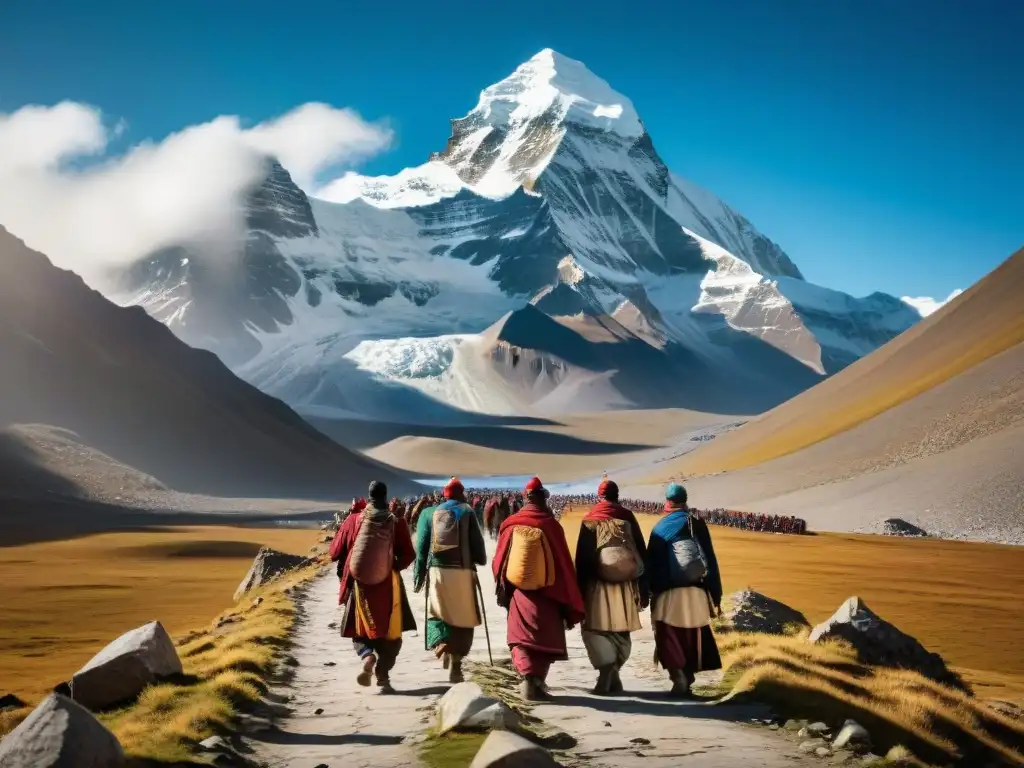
{"points": [[423, 536], [586, 557], [405, 553], [644, 582], [339, 545], [477, 548], [713, 581], [657, 552]]}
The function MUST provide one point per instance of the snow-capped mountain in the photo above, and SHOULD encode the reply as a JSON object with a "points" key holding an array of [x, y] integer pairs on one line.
{"points": [[550, 192]]}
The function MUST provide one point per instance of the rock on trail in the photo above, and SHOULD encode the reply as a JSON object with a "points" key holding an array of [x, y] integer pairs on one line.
{"points": [[361, 728]]}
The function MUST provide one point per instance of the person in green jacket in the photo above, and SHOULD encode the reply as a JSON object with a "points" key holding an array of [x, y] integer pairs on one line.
{"points": [[449, 546]]}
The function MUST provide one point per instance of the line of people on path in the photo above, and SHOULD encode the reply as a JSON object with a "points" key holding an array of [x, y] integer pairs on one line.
{"points": [[616, 575]]}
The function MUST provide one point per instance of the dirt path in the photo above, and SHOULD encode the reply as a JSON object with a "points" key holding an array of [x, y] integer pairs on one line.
{"points": [[359, 727]]}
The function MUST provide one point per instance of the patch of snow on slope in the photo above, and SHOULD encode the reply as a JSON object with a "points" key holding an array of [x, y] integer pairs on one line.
{"points": [[422, 185], [408, 358], [926, 305]]}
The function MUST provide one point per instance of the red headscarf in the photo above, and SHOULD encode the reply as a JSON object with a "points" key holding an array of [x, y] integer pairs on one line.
{"points": [[455, 489]]}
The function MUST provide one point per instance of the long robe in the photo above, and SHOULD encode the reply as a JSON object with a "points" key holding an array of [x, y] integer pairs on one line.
{"points": [[370, 609], [613, 610], [681, 614], [538, 619], [453, 612]]}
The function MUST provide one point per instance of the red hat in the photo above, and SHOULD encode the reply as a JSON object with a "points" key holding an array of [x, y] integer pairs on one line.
{"points": [[607, 486], [454, 488], [534, 485], [359, 506]]}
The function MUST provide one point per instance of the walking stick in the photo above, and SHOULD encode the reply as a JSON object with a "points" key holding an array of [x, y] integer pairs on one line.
{"points": [[426, 607], [483, 615]]}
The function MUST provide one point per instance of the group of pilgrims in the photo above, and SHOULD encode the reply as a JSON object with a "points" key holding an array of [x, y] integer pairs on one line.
{"points": [[615, 576]]}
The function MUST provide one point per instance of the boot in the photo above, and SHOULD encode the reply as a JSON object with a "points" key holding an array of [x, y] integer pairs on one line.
{"points": [[384, 684], [455, 673], [533, 690], [369, 663], [680, 685], [604, 681], [615, 687]]}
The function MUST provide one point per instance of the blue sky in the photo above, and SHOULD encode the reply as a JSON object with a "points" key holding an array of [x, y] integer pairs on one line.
{"points": [[880, 143]]}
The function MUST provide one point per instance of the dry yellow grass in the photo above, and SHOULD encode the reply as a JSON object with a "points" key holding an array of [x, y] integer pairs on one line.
{"points": [[960, 599], [62, 601], [898, 707], [983, 322]]}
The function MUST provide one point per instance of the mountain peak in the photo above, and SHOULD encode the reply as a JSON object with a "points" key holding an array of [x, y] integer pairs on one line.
{"points": [[550, 82]]}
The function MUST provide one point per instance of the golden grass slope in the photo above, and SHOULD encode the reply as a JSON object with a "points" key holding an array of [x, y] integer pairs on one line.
{"points": [[982, 322]]}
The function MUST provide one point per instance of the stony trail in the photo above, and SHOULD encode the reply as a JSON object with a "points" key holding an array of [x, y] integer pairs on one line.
{"points": [[359, 728]]}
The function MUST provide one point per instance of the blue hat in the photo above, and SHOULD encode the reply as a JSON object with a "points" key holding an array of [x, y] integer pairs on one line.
{"points": [[675, 492]]}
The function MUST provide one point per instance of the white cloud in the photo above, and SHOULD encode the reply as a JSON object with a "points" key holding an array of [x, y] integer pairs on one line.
{"points": [[115, 208], [926, 305]]}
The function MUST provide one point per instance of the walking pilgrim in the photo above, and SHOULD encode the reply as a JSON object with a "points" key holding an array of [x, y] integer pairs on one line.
{"points": [[371, 548], [449, 546], [535, 582], [610, 563], [686, 587]]}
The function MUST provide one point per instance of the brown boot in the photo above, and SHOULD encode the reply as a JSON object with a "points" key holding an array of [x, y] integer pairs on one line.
{"points": [[615, 687], [604, 681], [384, 684], [532, 689], [455, 673], [363, 678]]}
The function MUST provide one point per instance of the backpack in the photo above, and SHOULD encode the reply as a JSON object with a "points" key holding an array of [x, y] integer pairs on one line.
{"points": [[687, 566], [373, 553], [617, 558], [449, 532], [530, 565]]}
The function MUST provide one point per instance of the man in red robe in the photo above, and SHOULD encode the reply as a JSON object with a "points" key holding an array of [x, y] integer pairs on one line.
{"points": [[375, 616], [538, 619]]}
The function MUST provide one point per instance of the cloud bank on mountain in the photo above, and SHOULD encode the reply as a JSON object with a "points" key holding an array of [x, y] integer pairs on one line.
{"points": [[67, 192]]}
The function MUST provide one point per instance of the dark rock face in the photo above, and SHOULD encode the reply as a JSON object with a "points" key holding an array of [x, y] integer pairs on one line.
{"points": [[119, 672], [750, 611], [880, 643], [268, 565], [894, 526], [61, 734]]}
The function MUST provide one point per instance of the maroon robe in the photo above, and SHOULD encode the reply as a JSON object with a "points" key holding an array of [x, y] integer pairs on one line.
{"points": [[379, 598], [537, 619]]}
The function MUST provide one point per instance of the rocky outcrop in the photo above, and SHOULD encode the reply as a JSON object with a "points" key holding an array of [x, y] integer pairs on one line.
{"points": [[60, 734], [120, 671], [465, 707], [894, 526], [880, 643], [750, 611], [268, 565], [503, 749]]}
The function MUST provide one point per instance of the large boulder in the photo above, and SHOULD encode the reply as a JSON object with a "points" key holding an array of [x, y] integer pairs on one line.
{"points": [[120, 671], [750, 611], [465, 707], [880, 643], [60, 734], [267, 565], [503, 749]]}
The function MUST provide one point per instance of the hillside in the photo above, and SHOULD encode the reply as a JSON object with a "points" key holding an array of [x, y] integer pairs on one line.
{"points": [[145, 409], [982, 322]]}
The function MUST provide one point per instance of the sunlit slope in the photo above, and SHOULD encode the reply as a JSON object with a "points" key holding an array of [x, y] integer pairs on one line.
{"points": [[982, 322]]}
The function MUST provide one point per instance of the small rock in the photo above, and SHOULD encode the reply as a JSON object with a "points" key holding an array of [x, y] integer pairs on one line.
{"points": [[63, 689], [330, 664], [803, 733], [267, 565], [870, 759], [607, 724], [813, 744], [318, 712], [816, 729], [214, 744], [773, 727], [290, 661], [257, 602], [855, 736], [508, 750], [321, 765], [639, 740], [10, 701], [465, 707], [794, 725], [333, 625], [750, 611], [60, 734], [823, 751]]}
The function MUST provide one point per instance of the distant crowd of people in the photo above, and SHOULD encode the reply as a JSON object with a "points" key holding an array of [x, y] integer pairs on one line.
{"points": [[617, 574]]}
